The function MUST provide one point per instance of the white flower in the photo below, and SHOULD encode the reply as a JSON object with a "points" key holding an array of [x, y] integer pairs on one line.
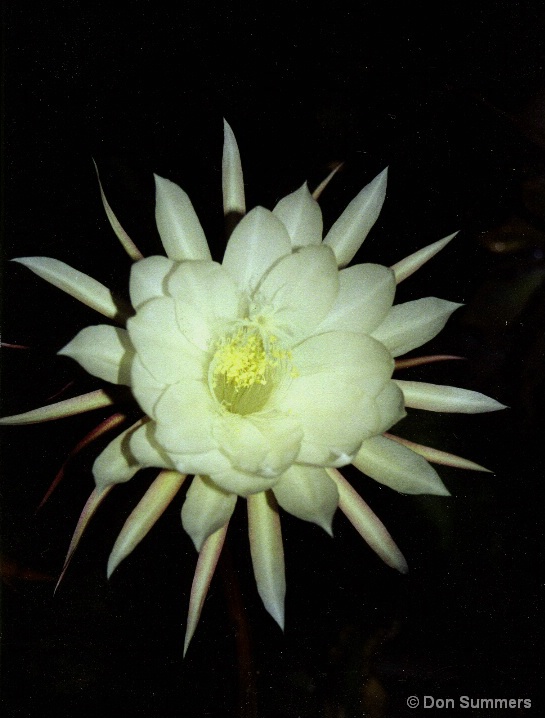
{"points": [[259, 376]]}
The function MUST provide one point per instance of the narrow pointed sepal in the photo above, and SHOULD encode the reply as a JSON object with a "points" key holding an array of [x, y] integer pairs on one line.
{"points": [[92, 504], [397, 466], [349, 231], [436, 397], [439, 457], [61, 409], [367, 524], [206, 565], [150, 507], [422, 361], [405, 267], [231, 174], [267, 552], [77, 284], [323, 184], [126, 242], [107, 425]]}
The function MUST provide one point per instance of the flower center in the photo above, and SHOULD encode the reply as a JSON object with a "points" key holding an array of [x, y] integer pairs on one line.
{"points": [[246, 367]]}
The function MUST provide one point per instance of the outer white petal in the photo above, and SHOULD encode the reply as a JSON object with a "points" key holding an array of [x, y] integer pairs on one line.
{"points": [[206, 509], [390, 404], [179, 227], [259, 444], [347, 234], [398, 467], [366, 294], [435, 397], [300, 290], [410, 264], [207, 287], [231, 174], [412, 324], [145, 448], [301, 216], [75, 283], [258, 241], [103, 351], [116, 464], [267, 553], [165, 352], [308, 493], [147, 279]]}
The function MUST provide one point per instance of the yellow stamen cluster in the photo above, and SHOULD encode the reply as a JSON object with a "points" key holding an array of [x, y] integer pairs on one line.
{"points": [[244, 369]]}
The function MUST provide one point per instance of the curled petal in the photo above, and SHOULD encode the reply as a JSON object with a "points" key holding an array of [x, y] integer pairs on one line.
{"points": [[147, 279], [308, 493], [206, 509], [412, 324], [301, 216], [258, 241], [413, 262], [179, 227], [126, 242], [103, 351], [150, 507], [68, 407], [77, 284], [267, 553], [436, 397], [206, 565], [398, 467], [231, 174], [116, 464], [347, 234], [367, 524]]}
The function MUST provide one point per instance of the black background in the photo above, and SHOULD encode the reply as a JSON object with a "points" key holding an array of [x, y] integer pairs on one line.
{"points": [[453, 100]]}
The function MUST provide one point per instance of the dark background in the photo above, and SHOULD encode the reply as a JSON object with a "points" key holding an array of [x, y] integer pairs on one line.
{"points": [[453, 100]]}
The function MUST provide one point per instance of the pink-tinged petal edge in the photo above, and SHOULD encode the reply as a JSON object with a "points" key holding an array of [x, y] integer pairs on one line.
{"points": [[68, 407], [367, 524], [93, 502], [126, 242], [206, 565], [438, 457], [148, 510], [421, 361], [107, 425]]}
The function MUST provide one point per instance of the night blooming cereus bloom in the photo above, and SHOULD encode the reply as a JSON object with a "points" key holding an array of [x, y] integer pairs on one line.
{"points": [[260, 376]]}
